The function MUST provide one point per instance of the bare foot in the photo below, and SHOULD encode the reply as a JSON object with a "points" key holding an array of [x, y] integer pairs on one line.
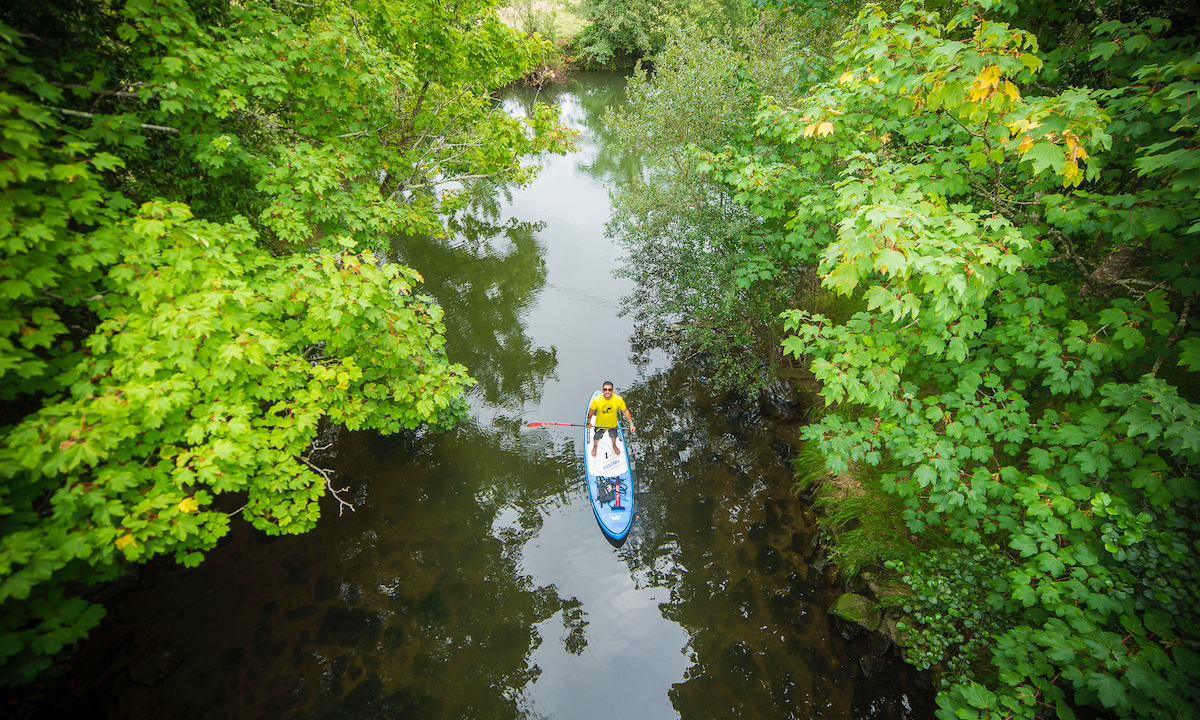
{"points": [[616, 451], [593, 451]]}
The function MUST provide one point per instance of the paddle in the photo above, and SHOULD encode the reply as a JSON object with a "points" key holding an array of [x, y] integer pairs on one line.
{"points": [[539, 424]]}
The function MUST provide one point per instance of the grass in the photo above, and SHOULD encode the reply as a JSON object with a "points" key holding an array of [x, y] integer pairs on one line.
{"points": [[864, 523]]}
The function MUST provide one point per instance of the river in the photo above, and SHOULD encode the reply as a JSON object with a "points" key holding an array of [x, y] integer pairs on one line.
{"points": [[471, 580]]}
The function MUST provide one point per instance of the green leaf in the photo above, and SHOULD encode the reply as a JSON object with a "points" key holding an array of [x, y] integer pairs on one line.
{"points": [[1109, 690]]}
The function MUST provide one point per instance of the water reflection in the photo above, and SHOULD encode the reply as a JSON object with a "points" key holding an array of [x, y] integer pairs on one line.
{"points": [[486, 273], [583, 104], [411, 606], [720, 530], [472, 580]]}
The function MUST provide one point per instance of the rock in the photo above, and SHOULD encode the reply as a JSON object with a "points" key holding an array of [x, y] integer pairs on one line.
{"points": [[744, 599], [878, 643], [873, 584], [393, 637], [297, 567], [781, 606], [857, 609], [889, 627], [325, 589], [361, 701], [738, 666], [877, 670], [925, 681], [432, 608], [767, 559], [848, 630], [818, 561], [155, 666]]}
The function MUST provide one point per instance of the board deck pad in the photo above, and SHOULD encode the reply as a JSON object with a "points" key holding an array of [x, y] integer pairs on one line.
{"points": [[606, 464]]}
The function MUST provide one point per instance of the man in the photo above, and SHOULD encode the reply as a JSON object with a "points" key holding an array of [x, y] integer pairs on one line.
{"points": [[605, 409]]}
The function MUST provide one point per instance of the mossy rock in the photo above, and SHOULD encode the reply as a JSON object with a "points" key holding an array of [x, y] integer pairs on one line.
{"points": [[857, 609]]}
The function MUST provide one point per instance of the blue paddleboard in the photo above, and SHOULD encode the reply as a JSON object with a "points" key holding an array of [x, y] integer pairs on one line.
{"points": [[610, 482]]}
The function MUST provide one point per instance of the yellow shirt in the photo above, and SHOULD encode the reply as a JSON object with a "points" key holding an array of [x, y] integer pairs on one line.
{"points": [[606, 410]]}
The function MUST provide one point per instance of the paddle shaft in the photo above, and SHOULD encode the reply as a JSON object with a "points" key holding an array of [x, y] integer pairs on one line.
{"points": [[539, 424]]}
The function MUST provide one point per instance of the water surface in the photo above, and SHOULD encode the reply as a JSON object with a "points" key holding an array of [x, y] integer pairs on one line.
{"points": [[471, 580]]}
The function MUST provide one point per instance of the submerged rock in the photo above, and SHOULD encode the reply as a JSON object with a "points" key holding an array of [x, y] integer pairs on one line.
{"points": [[847, 630], [878, 643], [350, 627], [876, 669], [739, 667], [298, 568], [155, 666]]}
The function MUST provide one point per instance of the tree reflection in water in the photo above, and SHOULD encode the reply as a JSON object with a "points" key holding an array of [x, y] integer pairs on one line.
{"points": [[473, 555], [584, 104], [486, 273], [414, 605], [719, 528]]}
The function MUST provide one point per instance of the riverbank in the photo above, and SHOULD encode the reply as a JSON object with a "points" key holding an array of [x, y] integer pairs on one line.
{"points": [[920, 597], [558, 23]]}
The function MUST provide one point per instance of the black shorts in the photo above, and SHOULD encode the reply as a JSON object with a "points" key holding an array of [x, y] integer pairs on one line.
{"points": [[612, 432]]}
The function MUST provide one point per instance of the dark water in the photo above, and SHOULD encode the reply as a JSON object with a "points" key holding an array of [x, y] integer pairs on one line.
{"points": [[472, 581]]}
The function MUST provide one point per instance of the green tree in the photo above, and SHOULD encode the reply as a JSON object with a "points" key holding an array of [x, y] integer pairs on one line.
{"points": [[695, 252], [632, 29], [1015, 207], [191, 192]]}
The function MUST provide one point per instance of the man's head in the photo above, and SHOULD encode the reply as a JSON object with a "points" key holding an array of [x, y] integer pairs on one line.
{"points": [[607, 388]]}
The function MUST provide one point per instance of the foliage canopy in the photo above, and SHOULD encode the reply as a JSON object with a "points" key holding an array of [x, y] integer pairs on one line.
{"points": [[695, 253], [1008, 191], [633, 29], [191, 195]]}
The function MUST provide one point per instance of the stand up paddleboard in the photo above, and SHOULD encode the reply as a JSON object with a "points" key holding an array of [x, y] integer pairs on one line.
{"points": [[610, 482]]}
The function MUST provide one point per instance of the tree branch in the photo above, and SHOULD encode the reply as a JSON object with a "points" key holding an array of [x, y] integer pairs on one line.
{"points": [[88, 115], [1179, 327], [102, 93], [342, 504], [360, 132]]}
